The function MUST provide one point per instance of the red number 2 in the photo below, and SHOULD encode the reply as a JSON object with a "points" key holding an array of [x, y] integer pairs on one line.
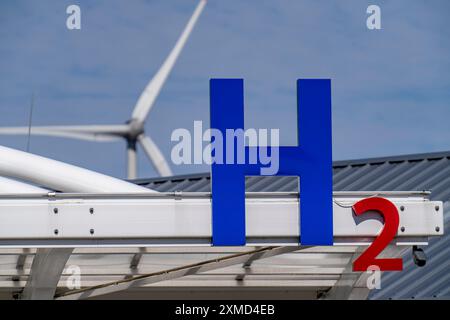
{"points": [[391, 220]]}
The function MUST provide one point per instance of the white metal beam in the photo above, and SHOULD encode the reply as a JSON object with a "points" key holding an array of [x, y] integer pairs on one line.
{"points": [[170, 250], [14, 186], [58, 175], [164, 219]]}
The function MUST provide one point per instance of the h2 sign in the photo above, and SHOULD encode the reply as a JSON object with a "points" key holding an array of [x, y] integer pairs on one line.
{"points": [[311, 161]]}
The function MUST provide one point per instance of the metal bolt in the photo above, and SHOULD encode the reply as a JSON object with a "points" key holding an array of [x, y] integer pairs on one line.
{"points": [[436, 208], [402, 229], [402, 208], [437, 229], [56, 231], [91, 231], [55, 210], [91, 210]]}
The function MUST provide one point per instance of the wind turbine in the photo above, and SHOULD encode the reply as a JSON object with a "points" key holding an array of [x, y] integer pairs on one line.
{"points": [[133, 130]]}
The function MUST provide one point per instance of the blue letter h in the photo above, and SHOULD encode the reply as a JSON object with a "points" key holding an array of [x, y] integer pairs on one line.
{"points": [[311, 161]]}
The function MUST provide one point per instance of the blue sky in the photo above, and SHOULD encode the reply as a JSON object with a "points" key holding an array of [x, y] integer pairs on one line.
{"points": [[391, 87]]}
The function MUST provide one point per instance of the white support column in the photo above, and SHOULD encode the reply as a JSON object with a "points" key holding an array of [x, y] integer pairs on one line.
{"points": [[131, 159], [345, 285], [46, 270]]}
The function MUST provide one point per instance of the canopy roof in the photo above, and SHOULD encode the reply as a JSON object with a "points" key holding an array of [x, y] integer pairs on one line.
{"points": [[305, 273]]}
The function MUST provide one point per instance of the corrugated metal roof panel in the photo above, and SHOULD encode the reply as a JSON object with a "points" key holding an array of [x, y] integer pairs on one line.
{"points": [[409, 173]]}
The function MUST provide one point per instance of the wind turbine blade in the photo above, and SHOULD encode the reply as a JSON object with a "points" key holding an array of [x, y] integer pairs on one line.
{"points": [[86, 132], [155, 155], [150, 93]]}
